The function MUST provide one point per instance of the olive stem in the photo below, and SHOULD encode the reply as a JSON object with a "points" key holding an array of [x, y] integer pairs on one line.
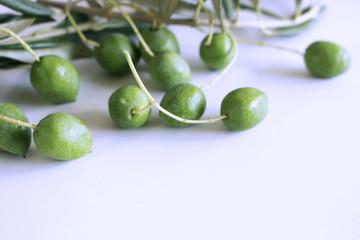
{"points": [[22, 42], [298, 9], [79, 32], [18, 122], [263, 44], [160, 108], [224, 70], [210, 36], [140, 9], [197, 12], [135, 29], [134, 111]]}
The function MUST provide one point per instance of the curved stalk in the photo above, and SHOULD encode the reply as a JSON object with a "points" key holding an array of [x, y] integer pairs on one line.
{"points": [[22, 42], [135, 29], [155, 104], [211, 26]]}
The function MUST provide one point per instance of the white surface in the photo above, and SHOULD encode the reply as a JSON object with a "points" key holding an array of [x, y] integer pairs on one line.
{"points": [[295, 176]]}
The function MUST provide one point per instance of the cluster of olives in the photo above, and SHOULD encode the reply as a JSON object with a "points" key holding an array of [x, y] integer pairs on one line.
{"points": [[64, 137], [242, 109], [59, 136]]}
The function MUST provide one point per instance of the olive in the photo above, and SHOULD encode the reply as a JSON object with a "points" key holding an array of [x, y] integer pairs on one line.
{"points": [[326, 60], [62, 137], [219, 53], [55, 79], [123, 101], [244, 107], [185, 101], [158, 40], [168, 69], [14, 138], [110, 53]]}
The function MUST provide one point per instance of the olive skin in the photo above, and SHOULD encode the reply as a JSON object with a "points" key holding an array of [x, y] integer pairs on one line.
{"points": [[219, 53], [158, 40], [123, 101], [110, 54], [185, 101], [244, 107], [62, 137], [326, 60], [14, 138], [169, 69], [55, 79]]}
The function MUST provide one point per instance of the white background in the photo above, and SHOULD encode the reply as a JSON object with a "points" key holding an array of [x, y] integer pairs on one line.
{"points": [[295, 176]]}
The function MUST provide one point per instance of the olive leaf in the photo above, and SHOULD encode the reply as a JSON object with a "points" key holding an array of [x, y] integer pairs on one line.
{"points": [[166, 9], [78, 18], [16, 26], [6, 63], [68, 46], [290, 31], [27, 7], [20, 55], [263, 11], [296, 29], [94, 3], [8, 17], [231, 8]]}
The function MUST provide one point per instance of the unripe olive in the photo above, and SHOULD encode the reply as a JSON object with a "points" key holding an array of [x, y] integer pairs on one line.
{"points": [[158, 40], [110, 53], [244, 107], [326, 60], [14, 138], [168, 69], [55, 79], [62, 137], [123, 101], [185, 101], [219, 53]]}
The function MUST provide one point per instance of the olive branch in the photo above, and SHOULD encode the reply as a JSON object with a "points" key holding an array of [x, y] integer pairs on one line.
{"points": [[99, 18]]}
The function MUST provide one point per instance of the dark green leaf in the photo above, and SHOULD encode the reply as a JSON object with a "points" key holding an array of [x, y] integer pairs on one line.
{"points": [[7, 17], [231, 8], [166, 9], [27, 7], [6, 62]]}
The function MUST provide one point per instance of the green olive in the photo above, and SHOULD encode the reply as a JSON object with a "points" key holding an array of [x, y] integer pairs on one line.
{"points": [[244, 107], [62, 137], [185, 101], [14, 138], [123, 101], [326, 60], [219, 53], [168, 69], [55, 79], [158, 40], [110, 54]]}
